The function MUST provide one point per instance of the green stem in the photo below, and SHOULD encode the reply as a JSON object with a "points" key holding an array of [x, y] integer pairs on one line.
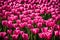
{"points": [[5, 28], [54, 37], [31, 36], [35, 37]]}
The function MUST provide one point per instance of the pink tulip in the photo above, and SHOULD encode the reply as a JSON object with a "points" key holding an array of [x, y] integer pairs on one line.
{"points": [[25, 12], [14, 25], [18, 21], [9, 31], [45, 29], [21, 8], [37, 10], [35, 30], [48, 35], [30, 21], [3, 34], [21, 25], [39, 25], [21, 32], [17, 32], [41, 35], [14, 37], [30, 26], [4, 22], [6, 38], [35, 20], [9, 24], [25, 36], [56, 33]]}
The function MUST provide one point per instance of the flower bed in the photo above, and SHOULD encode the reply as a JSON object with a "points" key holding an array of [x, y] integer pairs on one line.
{"points": [[29, 19]]}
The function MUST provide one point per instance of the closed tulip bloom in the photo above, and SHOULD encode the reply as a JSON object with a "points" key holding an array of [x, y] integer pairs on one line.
{"points": [[9, 24], [17, 32], [35, 30], [52, 9], [21, 8], [4, 22], [39, 25], [17, 28], [25, 12], [15, 17], [51, 24], [58, 27], [45, 8], [56, 33], [14, 37], [24, 20], [30, 21], [2, 34], [35, 20], [25, 36], [9, 31], [15, 25], [38, 17], [21, 32], [45, 29], [18, 21], [6, 38], [32, 15], [42, 35], [22, 16], [11, 18], [37, 10], [41, 11], [30, 26], [7, 13], [48, 35], [21, 25]]}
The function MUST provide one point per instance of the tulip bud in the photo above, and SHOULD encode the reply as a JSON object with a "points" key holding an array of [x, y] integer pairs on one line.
{"points": [[9, 24], [4, 22], [45, 29], [39, 25], [21, 25], [17, 32], [41, 35], [21, 32], [9, 31], [3, 34], [56, 33], [6, 38], [35, 30], [48, 35], [25, 36], [14, 37], [18, 21], [30, 26]]}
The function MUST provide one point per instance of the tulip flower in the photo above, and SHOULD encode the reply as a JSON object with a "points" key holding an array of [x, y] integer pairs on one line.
{"points": [[25, 36], [6, 38], [56, 33], [35, 30], [3, 34], [41, 35], [14, 37]]}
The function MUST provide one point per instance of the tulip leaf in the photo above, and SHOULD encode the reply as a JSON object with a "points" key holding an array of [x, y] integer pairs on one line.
{"points": [[46, 16], [58, 22]]}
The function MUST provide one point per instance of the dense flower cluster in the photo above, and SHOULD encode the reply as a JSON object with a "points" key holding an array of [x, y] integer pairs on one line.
{"points": [[29, 19]]}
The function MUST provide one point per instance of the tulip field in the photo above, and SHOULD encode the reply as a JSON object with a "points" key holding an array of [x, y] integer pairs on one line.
{"points": [[29, 19]]}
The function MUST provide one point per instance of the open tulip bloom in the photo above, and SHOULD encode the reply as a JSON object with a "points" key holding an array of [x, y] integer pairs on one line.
{"points": [[29, 19]]}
